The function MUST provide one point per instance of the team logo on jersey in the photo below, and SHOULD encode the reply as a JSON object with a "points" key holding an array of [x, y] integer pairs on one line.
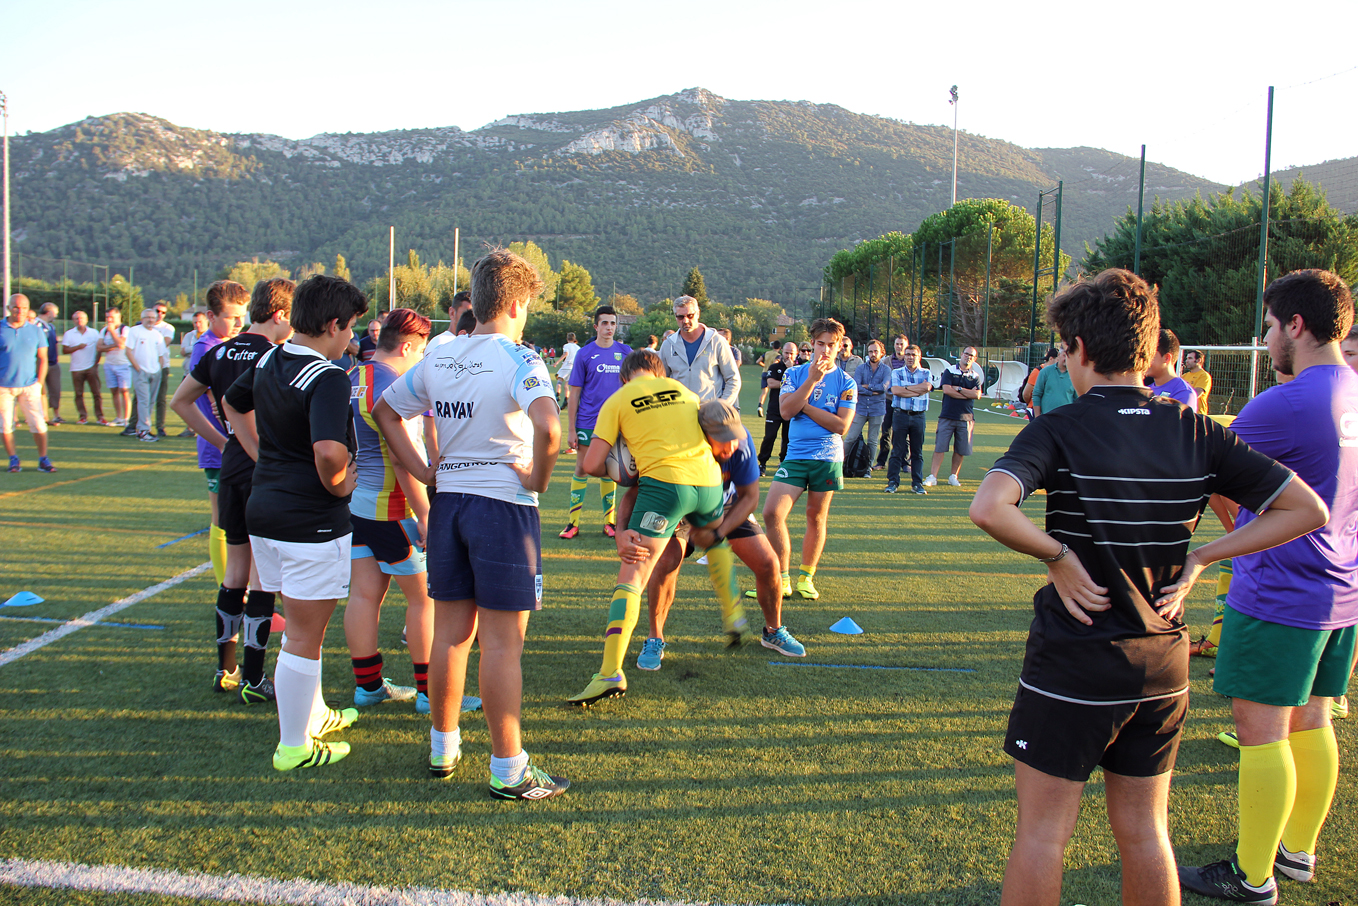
{"points": [[815, 394], [655, 400], [530, 383], [537, 587], [455, 409], [358, 392], [617, 356], [847, 395], [459, 368], [654, 522], [1136, 411]]}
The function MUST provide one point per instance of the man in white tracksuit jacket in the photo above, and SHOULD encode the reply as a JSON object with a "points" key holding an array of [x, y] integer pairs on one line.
{"points": [[700, 358]]}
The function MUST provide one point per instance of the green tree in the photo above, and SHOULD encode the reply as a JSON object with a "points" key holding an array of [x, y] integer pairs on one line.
{"points": [[625, 304], [1204, 254], [530, 252], [658, 318], [695, 286], [248, 273], [575, 290], [341, 268], [547, 327], [310, 270]]}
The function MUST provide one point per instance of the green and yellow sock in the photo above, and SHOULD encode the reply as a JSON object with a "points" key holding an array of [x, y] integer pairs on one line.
{"points": [[787, 578], [216, 551], [1316, 755], [1268, 789], [1219, 608], [622, 619], [805, 572], [608, 491], [578, 486], [721, 569]]}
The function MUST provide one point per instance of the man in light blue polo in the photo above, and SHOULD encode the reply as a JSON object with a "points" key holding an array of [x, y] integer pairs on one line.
{"points": [[910, 386], [23, 368], [1053, 389]]}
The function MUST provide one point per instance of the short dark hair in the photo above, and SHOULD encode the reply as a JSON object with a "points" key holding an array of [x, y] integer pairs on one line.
{"points": [[322, 299], [222, 293], [270, 297], [499, 278], [640, 360], [466, 323], [1320, 297], [603, 310], [401, 325], [1116, 315], [827, 325], [448, 304], [570, 337], [1167, 343], [1052, 352]]}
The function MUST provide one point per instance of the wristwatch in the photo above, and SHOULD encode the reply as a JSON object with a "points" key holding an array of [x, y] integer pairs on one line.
{"points": [[1064, 550]]}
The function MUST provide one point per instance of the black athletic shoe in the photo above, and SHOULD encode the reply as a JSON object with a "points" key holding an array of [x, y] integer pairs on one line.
{"points": [[254, 695], [1225, 881], [536, 784]]}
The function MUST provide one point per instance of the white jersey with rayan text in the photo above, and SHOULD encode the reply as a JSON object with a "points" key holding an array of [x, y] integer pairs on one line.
{"points": [[479, 388]]}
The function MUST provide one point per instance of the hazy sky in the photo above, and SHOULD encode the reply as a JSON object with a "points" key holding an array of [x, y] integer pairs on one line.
{"points": [[1188, 78]]}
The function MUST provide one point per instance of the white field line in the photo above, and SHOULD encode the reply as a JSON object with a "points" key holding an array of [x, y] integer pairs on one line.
{"points": [[234, 888], [94, 616]]}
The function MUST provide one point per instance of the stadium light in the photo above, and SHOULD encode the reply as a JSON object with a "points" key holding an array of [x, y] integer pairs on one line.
{"points": [[4, 115], [952, 101]]}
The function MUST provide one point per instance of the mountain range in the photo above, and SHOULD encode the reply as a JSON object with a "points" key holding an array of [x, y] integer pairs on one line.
{"points": [[758, 194]]}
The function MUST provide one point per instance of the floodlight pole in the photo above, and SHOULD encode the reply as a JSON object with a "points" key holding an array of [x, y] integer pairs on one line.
{"points": [[457, 230], [953, 101], [1140, 208], [1263, 222], [4, 114], [391, 268]]}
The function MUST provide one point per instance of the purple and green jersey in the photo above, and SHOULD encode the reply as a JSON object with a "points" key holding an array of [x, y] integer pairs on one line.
{"points": [[209, 457], [596, 372]]}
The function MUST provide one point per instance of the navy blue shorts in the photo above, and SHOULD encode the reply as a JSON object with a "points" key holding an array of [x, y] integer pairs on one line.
{"points": [[395, 544], [485, 550]]}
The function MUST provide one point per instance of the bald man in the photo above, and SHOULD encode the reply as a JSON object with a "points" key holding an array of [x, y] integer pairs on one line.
{"points": [[23, 369]]}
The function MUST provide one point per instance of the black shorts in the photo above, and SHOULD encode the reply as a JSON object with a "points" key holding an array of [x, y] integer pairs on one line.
{"points": [[485, 550], [231, 501], [1065, 739], [394, 544], [747, 529]]}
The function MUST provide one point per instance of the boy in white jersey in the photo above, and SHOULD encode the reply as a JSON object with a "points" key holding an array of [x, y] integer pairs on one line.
{"points": [[498, 429]]}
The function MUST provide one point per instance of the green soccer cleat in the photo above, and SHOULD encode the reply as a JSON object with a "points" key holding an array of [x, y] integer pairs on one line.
{"points": [[227, 682], [753, 594], [333, 721], [1227, 738], [599, 688], [536, 784], [318, 754], [806, 588], [443, 765]]}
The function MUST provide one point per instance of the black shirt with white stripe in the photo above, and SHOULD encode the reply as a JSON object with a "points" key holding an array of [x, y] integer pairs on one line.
{"points": [[1127, 479], [298, 399]]}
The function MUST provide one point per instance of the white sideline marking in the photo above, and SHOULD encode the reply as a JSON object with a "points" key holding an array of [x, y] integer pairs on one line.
{"points": [[234, 888], [94, 616]]}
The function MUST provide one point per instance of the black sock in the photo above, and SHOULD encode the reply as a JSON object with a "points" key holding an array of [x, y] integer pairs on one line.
{"points": [[258, 621], [230, 606]]}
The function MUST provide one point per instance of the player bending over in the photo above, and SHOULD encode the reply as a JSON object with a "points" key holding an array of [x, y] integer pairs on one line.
{"points": [[498, 430], [679, 479], [720, 422], [298, 512], [1105, 673]]}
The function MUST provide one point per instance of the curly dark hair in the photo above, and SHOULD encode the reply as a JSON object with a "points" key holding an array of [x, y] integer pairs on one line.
{"points": [[1117, 316]]}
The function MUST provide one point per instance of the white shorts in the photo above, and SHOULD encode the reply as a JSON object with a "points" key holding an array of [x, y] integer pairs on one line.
{"points": [[317, 571], [30, 402]]}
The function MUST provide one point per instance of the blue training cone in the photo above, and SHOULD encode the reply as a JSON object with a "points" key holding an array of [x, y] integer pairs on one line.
{"points": [[847, 626], [23, 599]]}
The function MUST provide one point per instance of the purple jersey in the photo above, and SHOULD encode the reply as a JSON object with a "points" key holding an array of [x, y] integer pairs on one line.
{"points": [[209, 457], [1176, 388], [1309, 425], [596, 372]]}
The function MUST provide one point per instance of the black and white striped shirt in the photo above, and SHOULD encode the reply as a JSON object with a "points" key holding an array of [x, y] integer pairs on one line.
{"points": [[1127, 479]]}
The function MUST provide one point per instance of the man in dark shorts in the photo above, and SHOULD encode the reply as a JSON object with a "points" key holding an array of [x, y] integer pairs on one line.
{"points": [[298, 511], [720, 422], [961, 387], [1105, 673], [774, 423], [498, 430], [240, 599], [1287, 635]]}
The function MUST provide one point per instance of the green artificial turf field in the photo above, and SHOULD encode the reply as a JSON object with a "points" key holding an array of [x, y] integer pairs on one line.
{"points": [[722, 778]]}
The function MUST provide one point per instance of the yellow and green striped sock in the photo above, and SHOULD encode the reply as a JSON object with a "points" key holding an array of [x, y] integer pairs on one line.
{"points": [[608, 491], [578, 486], [721, 569], [805, 572], [622, 619]]}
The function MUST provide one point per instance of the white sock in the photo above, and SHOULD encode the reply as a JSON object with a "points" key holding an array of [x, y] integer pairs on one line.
{"points": [[297, 683], [319, 709], [441, 743], [509, 770]]}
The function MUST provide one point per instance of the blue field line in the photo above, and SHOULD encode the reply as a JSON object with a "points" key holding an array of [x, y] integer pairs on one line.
{"points": [[177, 540], [99, 623], [872, 667]]}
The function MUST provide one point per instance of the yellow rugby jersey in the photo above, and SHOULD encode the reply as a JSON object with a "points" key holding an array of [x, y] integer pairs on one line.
{"points": [[659, 419]]}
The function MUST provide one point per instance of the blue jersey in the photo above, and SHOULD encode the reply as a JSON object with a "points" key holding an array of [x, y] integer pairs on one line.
{"points": [[805, 438], [595, 372], [741, 469]]}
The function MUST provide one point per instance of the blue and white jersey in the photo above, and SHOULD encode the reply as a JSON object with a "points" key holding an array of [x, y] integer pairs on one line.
{"points": [[805, 438], [479, 388], [740, 469]]}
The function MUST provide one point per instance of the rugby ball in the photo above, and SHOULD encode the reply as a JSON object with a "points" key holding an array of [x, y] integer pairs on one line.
{"points": [[622, 468]]}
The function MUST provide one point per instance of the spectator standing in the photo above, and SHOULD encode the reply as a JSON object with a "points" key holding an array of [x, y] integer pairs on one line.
{"points": [[1054, 388], [150, 359], [699, 357], [774, 423], [1161, 374], [80, 343], [896, 360], [166, 331], [956, 418], [112, 345], [910, 388], [735, 350], [848, 360], [52, 385], [186, 343], [1031, 383], [874, 385], [1196, 376], [367, 347], [23, 368]]}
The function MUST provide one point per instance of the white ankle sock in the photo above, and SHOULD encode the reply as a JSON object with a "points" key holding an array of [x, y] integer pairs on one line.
{"points": [[441, 743], [509, 770], [297, 683]]}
